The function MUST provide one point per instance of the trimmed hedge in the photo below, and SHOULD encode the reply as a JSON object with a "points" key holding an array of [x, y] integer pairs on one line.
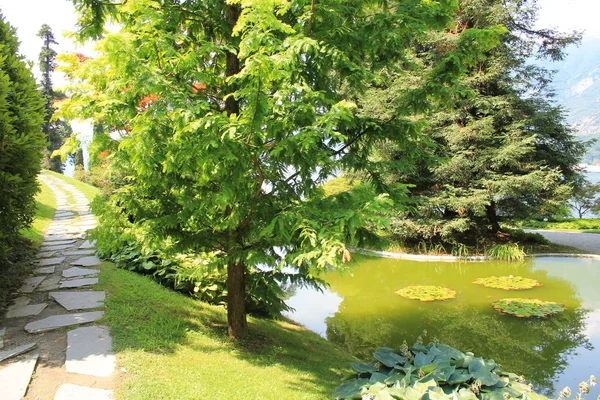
{"points": [[21, 143]]}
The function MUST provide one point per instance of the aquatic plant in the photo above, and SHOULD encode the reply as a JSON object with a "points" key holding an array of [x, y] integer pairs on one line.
{"points": [[507, 282], [509, 251], [433, 371], [426, 293], [527, 308]]}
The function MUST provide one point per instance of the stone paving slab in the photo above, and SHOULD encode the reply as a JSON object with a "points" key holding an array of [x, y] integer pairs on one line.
{"points": [[88, 351], [21, 301], [76, 283], [15, 378], [25, 311], [57, 247], [50, 261], [88, 245], [80, 252], [2, 333], [51, 283], [45, 254], [57, 242], [31, 283], [44, 270], [60, 321], [88, 261], [68, 391], [57, 238], [79, 300], [6, 354], [77, 272]]}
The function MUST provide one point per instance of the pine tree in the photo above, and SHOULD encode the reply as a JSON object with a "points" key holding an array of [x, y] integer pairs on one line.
{"points": [[55, 130], [502, 148]]}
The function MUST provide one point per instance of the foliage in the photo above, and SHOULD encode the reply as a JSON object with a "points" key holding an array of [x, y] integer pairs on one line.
{"points": [[527, 308], [501, 149], [586, 198], [55, 129], [434, 371], [230, 125], [426, 293], [21, 143], [509, 251], [508, 282]]}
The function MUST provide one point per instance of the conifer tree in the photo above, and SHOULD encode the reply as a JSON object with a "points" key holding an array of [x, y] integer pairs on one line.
{"points": [[502, 148], [55, 130]]}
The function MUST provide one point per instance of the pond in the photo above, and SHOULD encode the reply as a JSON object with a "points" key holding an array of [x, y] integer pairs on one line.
{"points": [[361, 313]]}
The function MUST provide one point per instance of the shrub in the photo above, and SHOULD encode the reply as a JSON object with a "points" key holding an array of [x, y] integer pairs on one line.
{"points": [[433, 371], [510, 252], [21, 142]]}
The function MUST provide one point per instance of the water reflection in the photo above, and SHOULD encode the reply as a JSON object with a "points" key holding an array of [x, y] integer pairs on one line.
{"points": [[551, 353]]}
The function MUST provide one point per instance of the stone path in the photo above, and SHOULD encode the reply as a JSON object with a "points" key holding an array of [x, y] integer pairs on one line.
{"points": [[70, 361]]}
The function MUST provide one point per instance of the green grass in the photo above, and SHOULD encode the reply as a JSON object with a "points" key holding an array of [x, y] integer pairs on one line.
{"points": [[46, 205], [88, 191], [589, 225], [170, 344]]}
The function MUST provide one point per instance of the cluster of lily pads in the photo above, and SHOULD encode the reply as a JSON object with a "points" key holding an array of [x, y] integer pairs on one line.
{"points": [[519, 307], [433, 372]]}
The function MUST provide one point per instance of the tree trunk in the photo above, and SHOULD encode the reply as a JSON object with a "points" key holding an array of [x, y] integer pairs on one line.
{"points": [[236, 296], [236, 285], [490, 212]]}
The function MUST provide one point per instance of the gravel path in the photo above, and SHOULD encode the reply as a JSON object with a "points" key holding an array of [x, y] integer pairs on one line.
{"points": [[589, 242]]}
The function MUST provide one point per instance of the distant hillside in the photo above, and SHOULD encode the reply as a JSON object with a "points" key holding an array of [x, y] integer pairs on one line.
{"points": [[577, 85]]}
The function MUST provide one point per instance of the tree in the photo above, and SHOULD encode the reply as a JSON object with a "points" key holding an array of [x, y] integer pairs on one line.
{"points": [[585, 198], [233, 113], [502, 149], [55, 130], [21, 141]]}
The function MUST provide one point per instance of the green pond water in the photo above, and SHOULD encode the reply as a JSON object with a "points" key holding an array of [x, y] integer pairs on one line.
{"points": [[361, 313]]}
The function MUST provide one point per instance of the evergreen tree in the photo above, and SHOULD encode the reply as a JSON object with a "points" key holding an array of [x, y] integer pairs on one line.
{"points": [[55, 130], [502, 148], [234, 112], [21, 142]]}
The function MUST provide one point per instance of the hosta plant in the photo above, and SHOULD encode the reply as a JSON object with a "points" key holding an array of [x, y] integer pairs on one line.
{"points": [[527, 308], [507, 282], [426, 293], [432, 372]]}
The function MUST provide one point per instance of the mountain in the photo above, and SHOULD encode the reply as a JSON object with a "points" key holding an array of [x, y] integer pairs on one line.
{"points": [[577, 86]]}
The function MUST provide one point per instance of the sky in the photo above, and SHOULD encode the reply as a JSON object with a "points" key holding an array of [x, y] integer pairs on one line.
{"points": [[29, 15]]}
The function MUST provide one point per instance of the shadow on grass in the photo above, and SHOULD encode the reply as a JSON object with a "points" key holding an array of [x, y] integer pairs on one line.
{"points": [[143, 316]]}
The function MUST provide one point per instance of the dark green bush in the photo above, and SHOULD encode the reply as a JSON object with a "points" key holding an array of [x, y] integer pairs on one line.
{"points": [[21, 142]]}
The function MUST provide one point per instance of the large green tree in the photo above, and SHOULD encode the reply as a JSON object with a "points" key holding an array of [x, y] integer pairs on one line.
{"points": [[232, 113], [56, 130], [21, 141], [502, 149]]}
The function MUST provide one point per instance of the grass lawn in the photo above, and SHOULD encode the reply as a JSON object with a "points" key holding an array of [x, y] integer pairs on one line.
{"points": [[88, 191], [588, 225], [46, 204], [176, 347]]}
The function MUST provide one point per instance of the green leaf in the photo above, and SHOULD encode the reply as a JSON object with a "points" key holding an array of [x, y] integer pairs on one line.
{"points": [[364, 368], [389, 359], [422, 359], [351, 389]]}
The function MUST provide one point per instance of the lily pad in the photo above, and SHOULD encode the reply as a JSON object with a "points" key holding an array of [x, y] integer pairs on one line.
{"points": [[507, 282], [527, 308], [427, 293]]}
